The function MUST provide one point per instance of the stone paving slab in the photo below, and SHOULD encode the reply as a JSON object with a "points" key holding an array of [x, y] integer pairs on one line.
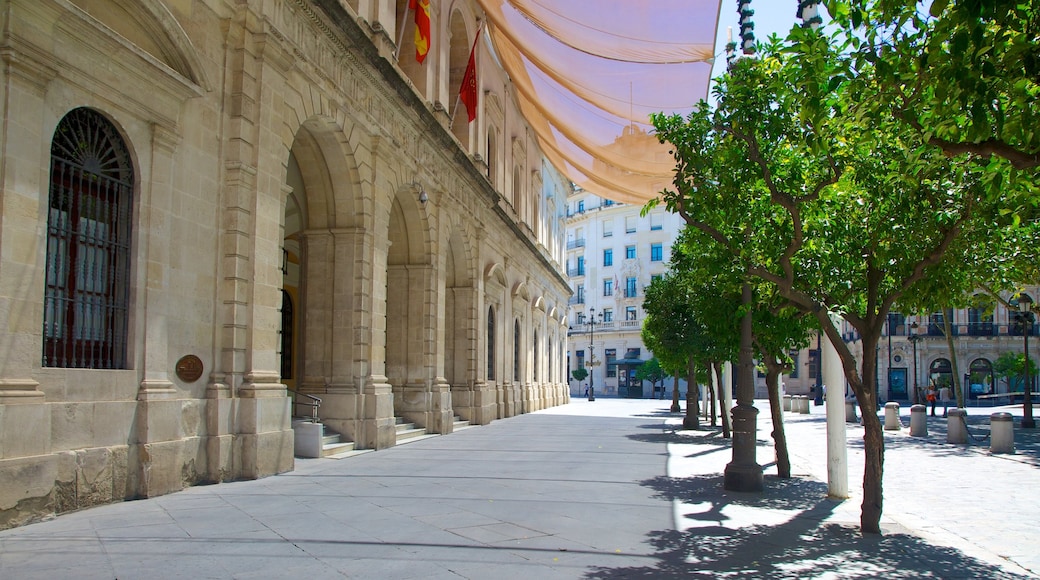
{"points": [[605, 489]]}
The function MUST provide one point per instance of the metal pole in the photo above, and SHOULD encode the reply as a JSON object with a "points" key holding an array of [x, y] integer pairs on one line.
{"points": [[1027, 399], [592, 356]]}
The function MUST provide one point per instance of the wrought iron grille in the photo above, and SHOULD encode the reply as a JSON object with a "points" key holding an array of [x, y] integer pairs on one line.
{"points": [[86, 300]]}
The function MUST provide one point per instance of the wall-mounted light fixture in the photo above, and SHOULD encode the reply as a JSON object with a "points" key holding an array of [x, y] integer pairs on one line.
{"points": [[423, 197]]}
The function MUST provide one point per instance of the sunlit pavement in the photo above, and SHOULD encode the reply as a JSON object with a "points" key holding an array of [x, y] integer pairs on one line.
{"points": [[605, 489]]}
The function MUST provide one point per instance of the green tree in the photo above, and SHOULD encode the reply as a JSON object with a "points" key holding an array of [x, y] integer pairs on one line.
{"points": [[674, 335], [580, 374], [963, 73], [837, 211], [651, 371], [1011, 367]]}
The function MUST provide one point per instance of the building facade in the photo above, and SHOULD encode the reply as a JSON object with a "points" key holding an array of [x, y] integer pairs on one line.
{"points": [[612, 254], [213, 210], [914, 352]]}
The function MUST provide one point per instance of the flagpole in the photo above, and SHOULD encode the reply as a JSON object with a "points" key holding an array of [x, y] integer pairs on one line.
{"points": [[458, 97], [400, 35]]}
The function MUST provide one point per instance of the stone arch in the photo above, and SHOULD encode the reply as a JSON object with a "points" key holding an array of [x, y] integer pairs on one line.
{"points": [[460, 42], [460, 317], [321, 256], [410, 307]]}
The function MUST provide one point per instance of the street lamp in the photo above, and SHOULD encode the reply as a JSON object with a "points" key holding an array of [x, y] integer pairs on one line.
{"points": [[1025, 321], [592, 344], [914, 338]]}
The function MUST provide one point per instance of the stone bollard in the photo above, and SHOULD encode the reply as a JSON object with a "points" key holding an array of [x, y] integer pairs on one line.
{"points": [[957, 426], [787, 402], [803, 405], [892, 422], [850, 412], [1001, 433], [918, 421]]}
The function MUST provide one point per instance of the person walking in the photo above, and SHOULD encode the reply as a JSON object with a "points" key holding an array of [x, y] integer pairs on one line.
{"points": [[945, 396], [931, 395]]}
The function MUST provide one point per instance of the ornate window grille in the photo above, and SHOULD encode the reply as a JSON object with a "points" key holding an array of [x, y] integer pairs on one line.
{"points": [[86, 301]]}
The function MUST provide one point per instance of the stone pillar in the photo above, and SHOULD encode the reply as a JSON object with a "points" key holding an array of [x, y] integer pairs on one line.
{"points": [[24, 182], [833, 374], [1002, 433], [918, 420], [892, 421], [957, 426]]}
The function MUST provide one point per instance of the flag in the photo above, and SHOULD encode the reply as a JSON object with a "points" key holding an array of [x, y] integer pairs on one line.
{"points": [[468, 90], [421, 8]]}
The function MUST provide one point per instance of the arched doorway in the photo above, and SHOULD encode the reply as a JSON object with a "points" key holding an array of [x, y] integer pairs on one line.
{"points": [[980, 378], [460, 331], [411, 316], [940, 373]]}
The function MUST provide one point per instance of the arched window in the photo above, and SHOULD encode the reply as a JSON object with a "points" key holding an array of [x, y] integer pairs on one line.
{"points": [[87, 296], [940, 373], [287, 336], [516, 350], [492, 157], [517, 193], [980, 378], [491, 343], [535, 354]]}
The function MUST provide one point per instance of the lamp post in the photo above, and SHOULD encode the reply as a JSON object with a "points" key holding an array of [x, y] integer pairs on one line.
{"points": [[1025, 321], [818, 394], [914, 338], [592, 358]]}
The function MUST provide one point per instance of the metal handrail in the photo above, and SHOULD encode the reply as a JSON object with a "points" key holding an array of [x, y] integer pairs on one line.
{"points": [[313, 403]]}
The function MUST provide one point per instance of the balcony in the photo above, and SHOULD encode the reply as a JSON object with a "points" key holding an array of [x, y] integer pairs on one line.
{"points": [[575, 244]]}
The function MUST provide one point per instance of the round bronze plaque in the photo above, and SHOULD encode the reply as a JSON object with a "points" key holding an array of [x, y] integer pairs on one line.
{"points": [[189, 368]]}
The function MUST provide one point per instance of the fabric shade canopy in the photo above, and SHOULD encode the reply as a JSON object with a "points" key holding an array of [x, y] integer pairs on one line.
{"points": [[588, 74]]}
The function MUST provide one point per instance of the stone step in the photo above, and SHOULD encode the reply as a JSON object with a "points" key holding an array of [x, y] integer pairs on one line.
{"points": [[460, 424], [337, 447]]}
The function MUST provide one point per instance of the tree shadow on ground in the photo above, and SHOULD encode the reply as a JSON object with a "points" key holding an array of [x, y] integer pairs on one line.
{"points": [[802, 546], [664, 434]]}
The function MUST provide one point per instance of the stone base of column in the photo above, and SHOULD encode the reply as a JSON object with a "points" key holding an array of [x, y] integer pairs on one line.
{"points": [[744, 473]]}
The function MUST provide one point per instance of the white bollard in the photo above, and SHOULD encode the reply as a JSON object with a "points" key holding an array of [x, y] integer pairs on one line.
{"points": [[850, 412], [1001, 433], [957, 426], [787, 402], [803, 405], [918, 421], [892, 422]]}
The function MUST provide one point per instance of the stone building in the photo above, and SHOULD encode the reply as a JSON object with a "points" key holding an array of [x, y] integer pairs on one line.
{"points": [[215, 212], [612, 254]]}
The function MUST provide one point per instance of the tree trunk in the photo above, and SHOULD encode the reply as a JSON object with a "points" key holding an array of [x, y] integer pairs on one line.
{"points": [[862, 381], [955, 381], [783, 459], [721, 400], [873, 440], [692, 418], [675, 395]]}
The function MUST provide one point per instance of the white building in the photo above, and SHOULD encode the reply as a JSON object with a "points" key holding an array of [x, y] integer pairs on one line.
{"points": [[613, 253]]}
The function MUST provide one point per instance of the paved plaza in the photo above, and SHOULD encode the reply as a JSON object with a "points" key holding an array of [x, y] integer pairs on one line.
{"points": [[604, 489]]}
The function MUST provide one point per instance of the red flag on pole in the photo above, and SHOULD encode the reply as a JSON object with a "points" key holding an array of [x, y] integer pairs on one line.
{"points": [[468, 90], [421, 8]]}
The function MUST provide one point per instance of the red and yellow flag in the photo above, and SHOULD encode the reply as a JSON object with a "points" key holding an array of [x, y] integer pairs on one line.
{"points": [[421, 9], [468, 90]]}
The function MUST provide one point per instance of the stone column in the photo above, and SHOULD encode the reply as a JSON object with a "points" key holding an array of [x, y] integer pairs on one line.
{"points": [[837, 447]]}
